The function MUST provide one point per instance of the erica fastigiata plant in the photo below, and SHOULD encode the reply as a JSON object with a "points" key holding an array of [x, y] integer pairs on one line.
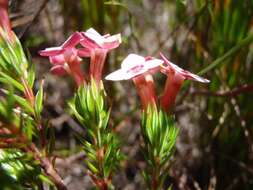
{"points": [[89, 104], [157, 123]]}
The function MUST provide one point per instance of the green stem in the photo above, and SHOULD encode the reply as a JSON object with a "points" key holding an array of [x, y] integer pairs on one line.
{"points": [[154, 180], [103, 185]]}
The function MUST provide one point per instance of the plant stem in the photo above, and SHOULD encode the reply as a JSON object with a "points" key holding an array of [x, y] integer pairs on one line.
{"points": [[155, 181], [31, 98], [48, 167], [103, 184], [28, 91]]}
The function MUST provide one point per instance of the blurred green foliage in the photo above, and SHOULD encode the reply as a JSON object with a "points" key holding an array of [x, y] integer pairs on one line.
{"points": [[101, 144]]}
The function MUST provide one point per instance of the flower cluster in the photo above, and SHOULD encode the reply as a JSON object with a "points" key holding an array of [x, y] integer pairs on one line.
{"points": [[66, 59], [140, 69]]}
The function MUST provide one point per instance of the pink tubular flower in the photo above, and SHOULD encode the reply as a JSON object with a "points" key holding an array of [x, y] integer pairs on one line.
{"points": [[5, 23], [138, 68], [66, 58], [97, 47], [175, 79]]}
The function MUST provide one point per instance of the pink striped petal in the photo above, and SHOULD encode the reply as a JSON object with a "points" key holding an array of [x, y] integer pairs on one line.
{"points": [[88, 43], [147, 58], [73, 40], [132, 60], [113, 38], [170, 67], [51, 51], [83, 52], [92, 39], [112, 42], [57, 59], [132, 66], [58, 70], [94, 36], [70, 54], [194, 77], [111, 45]]}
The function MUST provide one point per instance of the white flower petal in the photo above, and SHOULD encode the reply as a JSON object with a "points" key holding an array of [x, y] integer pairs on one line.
{"points": [[113, 38], [184, 73], [198, 78], [117, 75], [132, 60], [153, 63], [174, 66], [53, 49], [188, 74], [95, 36], [93, 32]]}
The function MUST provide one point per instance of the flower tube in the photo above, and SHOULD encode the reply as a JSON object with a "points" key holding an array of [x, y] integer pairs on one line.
{"points": [[66, 58], [5, 21], [175, 78], [97, 46], [139, 69]]}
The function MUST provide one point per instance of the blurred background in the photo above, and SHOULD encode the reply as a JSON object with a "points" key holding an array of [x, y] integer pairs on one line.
{"points": [[213, 37]]}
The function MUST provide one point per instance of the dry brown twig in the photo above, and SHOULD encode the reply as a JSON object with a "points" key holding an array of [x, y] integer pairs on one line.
{"points": [[247, 88]]}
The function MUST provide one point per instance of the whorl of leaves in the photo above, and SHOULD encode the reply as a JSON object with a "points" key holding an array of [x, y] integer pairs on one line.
{"points": [[159, 134], [102, 148]]}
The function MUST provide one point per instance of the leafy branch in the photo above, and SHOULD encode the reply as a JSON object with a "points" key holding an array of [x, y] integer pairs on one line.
{"points": [[102, 146], [21, 121], [159, 134]]}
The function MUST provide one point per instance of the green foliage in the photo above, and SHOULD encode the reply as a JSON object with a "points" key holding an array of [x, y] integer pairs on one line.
{"points": [[17, 130], [14, 120], [20, 119], [7, 182], [94, 10], [14, 69], [102, 148], [21, 168], [31, 76], [12, 58], [16, 111], [23, 103], [159, 135], [39, 101], [223, 42], [90, 109], [6, 79]]}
